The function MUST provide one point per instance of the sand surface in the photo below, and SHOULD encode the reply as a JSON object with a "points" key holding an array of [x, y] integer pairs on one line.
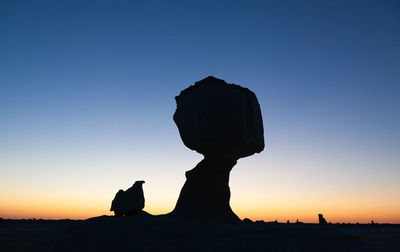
{"points": [[160, 233]]}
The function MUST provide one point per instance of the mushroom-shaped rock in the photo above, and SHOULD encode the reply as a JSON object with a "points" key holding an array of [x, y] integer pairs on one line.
{"points": [[216, 118], [224, 123], [130, 201]]}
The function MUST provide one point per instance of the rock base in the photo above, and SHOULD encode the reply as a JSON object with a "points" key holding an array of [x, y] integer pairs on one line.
{"points": [[206, 194]]}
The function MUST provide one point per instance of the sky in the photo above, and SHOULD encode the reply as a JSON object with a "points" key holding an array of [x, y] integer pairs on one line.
{"points": [[87, 97]]}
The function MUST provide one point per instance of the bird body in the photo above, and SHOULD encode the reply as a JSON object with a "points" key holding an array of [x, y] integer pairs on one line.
{"points": [[130, 201]]}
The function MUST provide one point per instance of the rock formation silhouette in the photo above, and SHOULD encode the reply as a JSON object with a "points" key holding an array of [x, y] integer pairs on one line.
{"points": [[322, 220], [130, 201], [224, 123]]}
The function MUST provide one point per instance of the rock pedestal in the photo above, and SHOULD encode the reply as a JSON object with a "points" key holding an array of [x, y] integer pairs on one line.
{"points": [[223, 122], [206, 193]]}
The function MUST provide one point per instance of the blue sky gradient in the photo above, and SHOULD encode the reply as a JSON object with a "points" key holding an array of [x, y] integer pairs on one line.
{"points": [[87, 98]]}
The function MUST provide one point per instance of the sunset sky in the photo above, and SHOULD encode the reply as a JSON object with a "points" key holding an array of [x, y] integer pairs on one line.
{"points": [[87, 97]]}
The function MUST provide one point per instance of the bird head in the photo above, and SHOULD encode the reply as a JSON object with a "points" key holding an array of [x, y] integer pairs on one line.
{"points": [[139, 182]]}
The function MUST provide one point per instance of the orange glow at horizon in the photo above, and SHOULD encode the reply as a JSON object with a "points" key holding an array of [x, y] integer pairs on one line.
{"points": [[250, 198], [43, 210]]}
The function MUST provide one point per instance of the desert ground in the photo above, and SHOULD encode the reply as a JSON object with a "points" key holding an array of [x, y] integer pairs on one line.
{"points": [[161, 233]]}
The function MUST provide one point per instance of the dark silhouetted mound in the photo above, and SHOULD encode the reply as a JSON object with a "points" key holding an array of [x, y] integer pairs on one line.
{"points": [[144, 232]]}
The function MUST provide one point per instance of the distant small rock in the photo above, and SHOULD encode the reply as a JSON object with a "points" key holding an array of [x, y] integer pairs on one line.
{"points": [[322, 220], [130, 201]]}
